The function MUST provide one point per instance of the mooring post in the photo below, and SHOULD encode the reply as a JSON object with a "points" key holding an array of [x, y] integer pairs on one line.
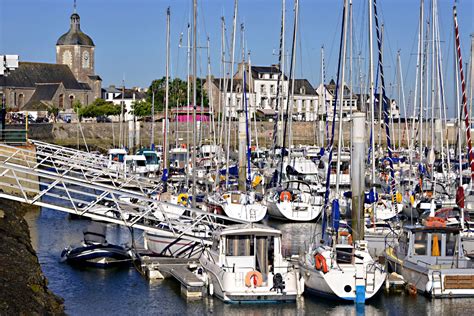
{"points": [[358, 175]]}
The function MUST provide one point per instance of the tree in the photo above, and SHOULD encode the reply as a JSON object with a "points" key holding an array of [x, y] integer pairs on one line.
{"points": [[177, 93], [98, 108], [54, 111], [141, 108], [76, 106]]}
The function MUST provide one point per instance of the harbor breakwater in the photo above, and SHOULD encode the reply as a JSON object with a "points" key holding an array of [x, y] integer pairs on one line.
{"points": [[103, 136], [23, 287]]}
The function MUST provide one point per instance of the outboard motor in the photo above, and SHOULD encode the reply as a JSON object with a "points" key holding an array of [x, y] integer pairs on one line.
{"points": [[278, 283]]}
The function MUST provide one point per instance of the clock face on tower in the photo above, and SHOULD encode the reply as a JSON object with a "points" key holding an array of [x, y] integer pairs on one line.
{"points": [[67, 58], [85, 60]]}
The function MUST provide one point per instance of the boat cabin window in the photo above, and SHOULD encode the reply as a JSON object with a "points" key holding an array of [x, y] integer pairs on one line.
{"points": [[450, 244], [344, 255], [141, 163], [117, 157], [179, 157], [420, 244], [239, 246], [151, 159]]}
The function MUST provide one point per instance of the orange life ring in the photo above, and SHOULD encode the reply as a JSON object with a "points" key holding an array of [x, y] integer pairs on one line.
{"points": [[253, 278], [183, 145], [285, 196], [320, 263]]}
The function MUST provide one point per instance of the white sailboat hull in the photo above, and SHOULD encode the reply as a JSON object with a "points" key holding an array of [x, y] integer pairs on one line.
{"points": [[293, 211]]}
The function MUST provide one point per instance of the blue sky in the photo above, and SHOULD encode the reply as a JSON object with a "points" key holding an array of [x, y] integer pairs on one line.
{"points": [[130, 35]]}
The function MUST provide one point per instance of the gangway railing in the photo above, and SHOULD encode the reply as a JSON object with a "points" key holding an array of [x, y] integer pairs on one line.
{"points": [[42, 177]]}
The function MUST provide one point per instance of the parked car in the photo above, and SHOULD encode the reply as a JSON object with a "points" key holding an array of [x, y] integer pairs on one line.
{"points": [[103, 119], [43, 119]]}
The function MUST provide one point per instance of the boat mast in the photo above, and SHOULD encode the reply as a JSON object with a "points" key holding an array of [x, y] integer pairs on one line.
{"points": [[372, 93], [464, 97], [383, 101], [289, 104], [232, 59], [194, 101], [341, 99], [280, 84], [152, 137], [188, 100], [167, 88]]}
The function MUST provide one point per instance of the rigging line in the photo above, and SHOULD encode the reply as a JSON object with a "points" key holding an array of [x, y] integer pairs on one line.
{"points": [[330, 145]]}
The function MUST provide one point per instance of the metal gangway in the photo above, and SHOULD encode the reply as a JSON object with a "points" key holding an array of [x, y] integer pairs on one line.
{"points": [[81, 183]]}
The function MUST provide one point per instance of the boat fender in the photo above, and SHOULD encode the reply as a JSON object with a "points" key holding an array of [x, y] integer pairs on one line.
{"points": [[411, 288], [253, 278], [211, 289], [285, 196], [320, 263]]}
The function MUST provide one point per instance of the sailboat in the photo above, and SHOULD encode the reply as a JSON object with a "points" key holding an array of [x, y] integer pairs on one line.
{"points": [[341, 266], [242, 203]]}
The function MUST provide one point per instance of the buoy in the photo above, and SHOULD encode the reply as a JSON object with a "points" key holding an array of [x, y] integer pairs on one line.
{"points": [[285, 196], [253, 278]]}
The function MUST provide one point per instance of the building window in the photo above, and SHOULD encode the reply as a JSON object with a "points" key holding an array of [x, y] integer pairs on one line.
{"points": [[21, 99], [61, 101], [272, 89], [262, 88], [71, 100]]}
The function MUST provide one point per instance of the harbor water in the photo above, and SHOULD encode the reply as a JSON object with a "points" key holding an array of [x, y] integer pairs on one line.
{"points": [[125, 291]]}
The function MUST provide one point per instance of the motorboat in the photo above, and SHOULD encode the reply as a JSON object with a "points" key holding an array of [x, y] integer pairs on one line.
{"points": [[245, 264], [95, 251], [431, 259]]}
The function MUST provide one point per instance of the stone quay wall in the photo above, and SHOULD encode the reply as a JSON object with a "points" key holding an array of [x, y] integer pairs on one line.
{"points": [[102, 136]]}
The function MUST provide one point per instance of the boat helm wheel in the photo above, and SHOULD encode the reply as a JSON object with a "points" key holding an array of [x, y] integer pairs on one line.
{"points": [[320, 263], [253, 278], [285, 196]]}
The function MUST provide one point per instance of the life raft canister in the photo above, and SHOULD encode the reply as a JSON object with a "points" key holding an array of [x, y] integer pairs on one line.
{"points": [[253, 278], [320, 263], [183, 199], [435, 222], [285, 196], [346, 234]]}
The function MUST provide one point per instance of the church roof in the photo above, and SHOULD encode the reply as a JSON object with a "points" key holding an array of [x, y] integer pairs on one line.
{"points": [[28, 74], [42, 97], [75, 36]]}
